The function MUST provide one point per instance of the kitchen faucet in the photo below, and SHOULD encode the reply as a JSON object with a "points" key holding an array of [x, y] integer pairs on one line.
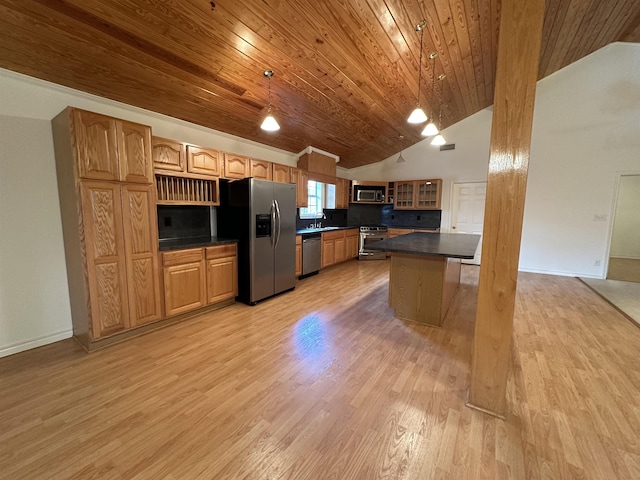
{"points": [[317, 224]]}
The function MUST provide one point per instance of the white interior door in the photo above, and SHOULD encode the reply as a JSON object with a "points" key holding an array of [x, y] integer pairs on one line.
{"points": [[467, 211]]}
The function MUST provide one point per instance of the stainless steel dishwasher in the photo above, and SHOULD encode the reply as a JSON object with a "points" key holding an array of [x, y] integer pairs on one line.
{"points": [[311, 253]]}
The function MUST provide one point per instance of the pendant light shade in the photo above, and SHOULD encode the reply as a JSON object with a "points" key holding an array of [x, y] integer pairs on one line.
{"points": [[418, 115], [438, 140], [430, 130], [269, 124]]}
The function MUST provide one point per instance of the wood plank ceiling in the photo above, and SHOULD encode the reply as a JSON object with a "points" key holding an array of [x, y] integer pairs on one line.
{"points": [[346, 71]]}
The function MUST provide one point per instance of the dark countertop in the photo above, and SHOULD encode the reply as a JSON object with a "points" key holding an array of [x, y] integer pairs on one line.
{"points": [[320, 230], [454, 245], [194, 242]]}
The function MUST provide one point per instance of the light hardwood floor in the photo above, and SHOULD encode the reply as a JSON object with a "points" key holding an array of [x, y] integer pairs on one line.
{"points": [[323, 383]]}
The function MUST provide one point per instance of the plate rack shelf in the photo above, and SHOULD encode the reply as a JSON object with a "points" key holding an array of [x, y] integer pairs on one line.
{"points": [[175, 190]]}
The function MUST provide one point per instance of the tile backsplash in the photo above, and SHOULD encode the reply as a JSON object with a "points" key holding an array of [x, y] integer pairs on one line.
{"points": [[185, 221], [410, 218]]}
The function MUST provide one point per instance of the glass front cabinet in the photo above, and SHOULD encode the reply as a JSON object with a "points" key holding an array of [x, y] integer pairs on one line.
{"points": [[418, 194], [405, 194]]}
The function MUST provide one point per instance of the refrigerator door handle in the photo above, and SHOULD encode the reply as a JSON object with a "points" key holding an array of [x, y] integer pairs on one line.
{"points": [[279, 221], [273, 222]]}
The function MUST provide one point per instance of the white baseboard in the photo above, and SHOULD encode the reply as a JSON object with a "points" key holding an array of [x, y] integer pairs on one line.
{"points": [[37, 342], [625, 257], [559, 273]]}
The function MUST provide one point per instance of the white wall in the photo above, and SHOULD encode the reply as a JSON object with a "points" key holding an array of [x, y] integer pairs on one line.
{"points": [[586, 131], [625, 239], [34, 301]]}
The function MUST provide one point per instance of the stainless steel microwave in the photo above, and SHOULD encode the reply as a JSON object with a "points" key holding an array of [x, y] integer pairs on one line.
{"points": [[369, 194]]}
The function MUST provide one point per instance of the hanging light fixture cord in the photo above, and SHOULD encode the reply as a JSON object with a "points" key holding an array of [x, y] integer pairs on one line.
{"points": [[420, 28], [269, 74]]}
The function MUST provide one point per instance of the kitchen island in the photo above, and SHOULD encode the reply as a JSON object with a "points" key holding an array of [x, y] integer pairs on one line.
{"points": [[425, 273]]}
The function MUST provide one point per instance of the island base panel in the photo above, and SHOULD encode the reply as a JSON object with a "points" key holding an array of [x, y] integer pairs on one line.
{"points": [[421, 287]]}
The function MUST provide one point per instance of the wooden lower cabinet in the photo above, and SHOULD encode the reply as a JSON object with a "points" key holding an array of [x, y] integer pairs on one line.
{"points": [[338, 246], [198, 277], [328, 252], [184, 281], [298, 255], [396, 232], [222, 273], [351, 242], [340, 249]]}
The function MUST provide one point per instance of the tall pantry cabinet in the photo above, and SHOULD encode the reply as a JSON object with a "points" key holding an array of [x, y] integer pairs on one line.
{"points": [[107, 199]]}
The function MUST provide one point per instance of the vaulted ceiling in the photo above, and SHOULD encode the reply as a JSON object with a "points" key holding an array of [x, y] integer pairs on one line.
{"points": [[346, 71]]}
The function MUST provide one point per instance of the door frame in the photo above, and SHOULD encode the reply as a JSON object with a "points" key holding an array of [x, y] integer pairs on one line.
{"points": [[612, 216], [452, 206]]}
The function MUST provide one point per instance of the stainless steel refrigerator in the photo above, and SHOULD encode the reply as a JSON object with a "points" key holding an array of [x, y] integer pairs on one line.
{"points": [[261, 215]]}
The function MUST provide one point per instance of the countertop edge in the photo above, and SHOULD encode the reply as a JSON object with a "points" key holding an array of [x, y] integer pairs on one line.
{"points": [[214, 241]]}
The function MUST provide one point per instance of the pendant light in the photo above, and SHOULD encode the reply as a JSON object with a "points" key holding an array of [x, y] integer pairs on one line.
{"points": [[431, 128], [269, 124], [418, 115]]}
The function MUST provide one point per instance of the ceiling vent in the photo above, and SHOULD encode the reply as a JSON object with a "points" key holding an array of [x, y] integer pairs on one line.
{"points": [[448, 146]]}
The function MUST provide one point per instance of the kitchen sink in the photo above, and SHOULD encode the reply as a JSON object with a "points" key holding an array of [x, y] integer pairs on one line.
{"points": [[314, 230]]}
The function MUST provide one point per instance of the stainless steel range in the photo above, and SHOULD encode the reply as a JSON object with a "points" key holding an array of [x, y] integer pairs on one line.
{"points": [[369, 235]]}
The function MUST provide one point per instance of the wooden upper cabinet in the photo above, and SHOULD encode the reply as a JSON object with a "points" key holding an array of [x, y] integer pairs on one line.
{"points": [[301, 179], [418, 194], [141, 247], [428, 194], [236, 166], [260, 169], [134, 151], [405, 195], [281, 173], [96, 145], [105, 260], [168, 155], [205, 161], [342, 193]]}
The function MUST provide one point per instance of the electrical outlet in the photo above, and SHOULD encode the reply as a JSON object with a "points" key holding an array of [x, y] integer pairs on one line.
{"points": [[596, 263]]}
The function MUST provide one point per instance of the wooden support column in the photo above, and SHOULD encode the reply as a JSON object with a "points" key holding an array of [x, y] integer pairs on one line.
{"points": [[516, 74]]}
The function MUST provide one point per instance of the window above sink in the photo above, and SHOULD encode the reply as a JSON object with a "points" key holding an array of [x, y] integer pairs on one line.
{"points": [[320, 196]]}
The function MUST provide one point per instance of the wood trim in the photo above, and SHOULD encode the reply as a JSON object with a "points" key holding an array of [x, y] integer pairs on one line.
{"points": [[516, 75]]}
